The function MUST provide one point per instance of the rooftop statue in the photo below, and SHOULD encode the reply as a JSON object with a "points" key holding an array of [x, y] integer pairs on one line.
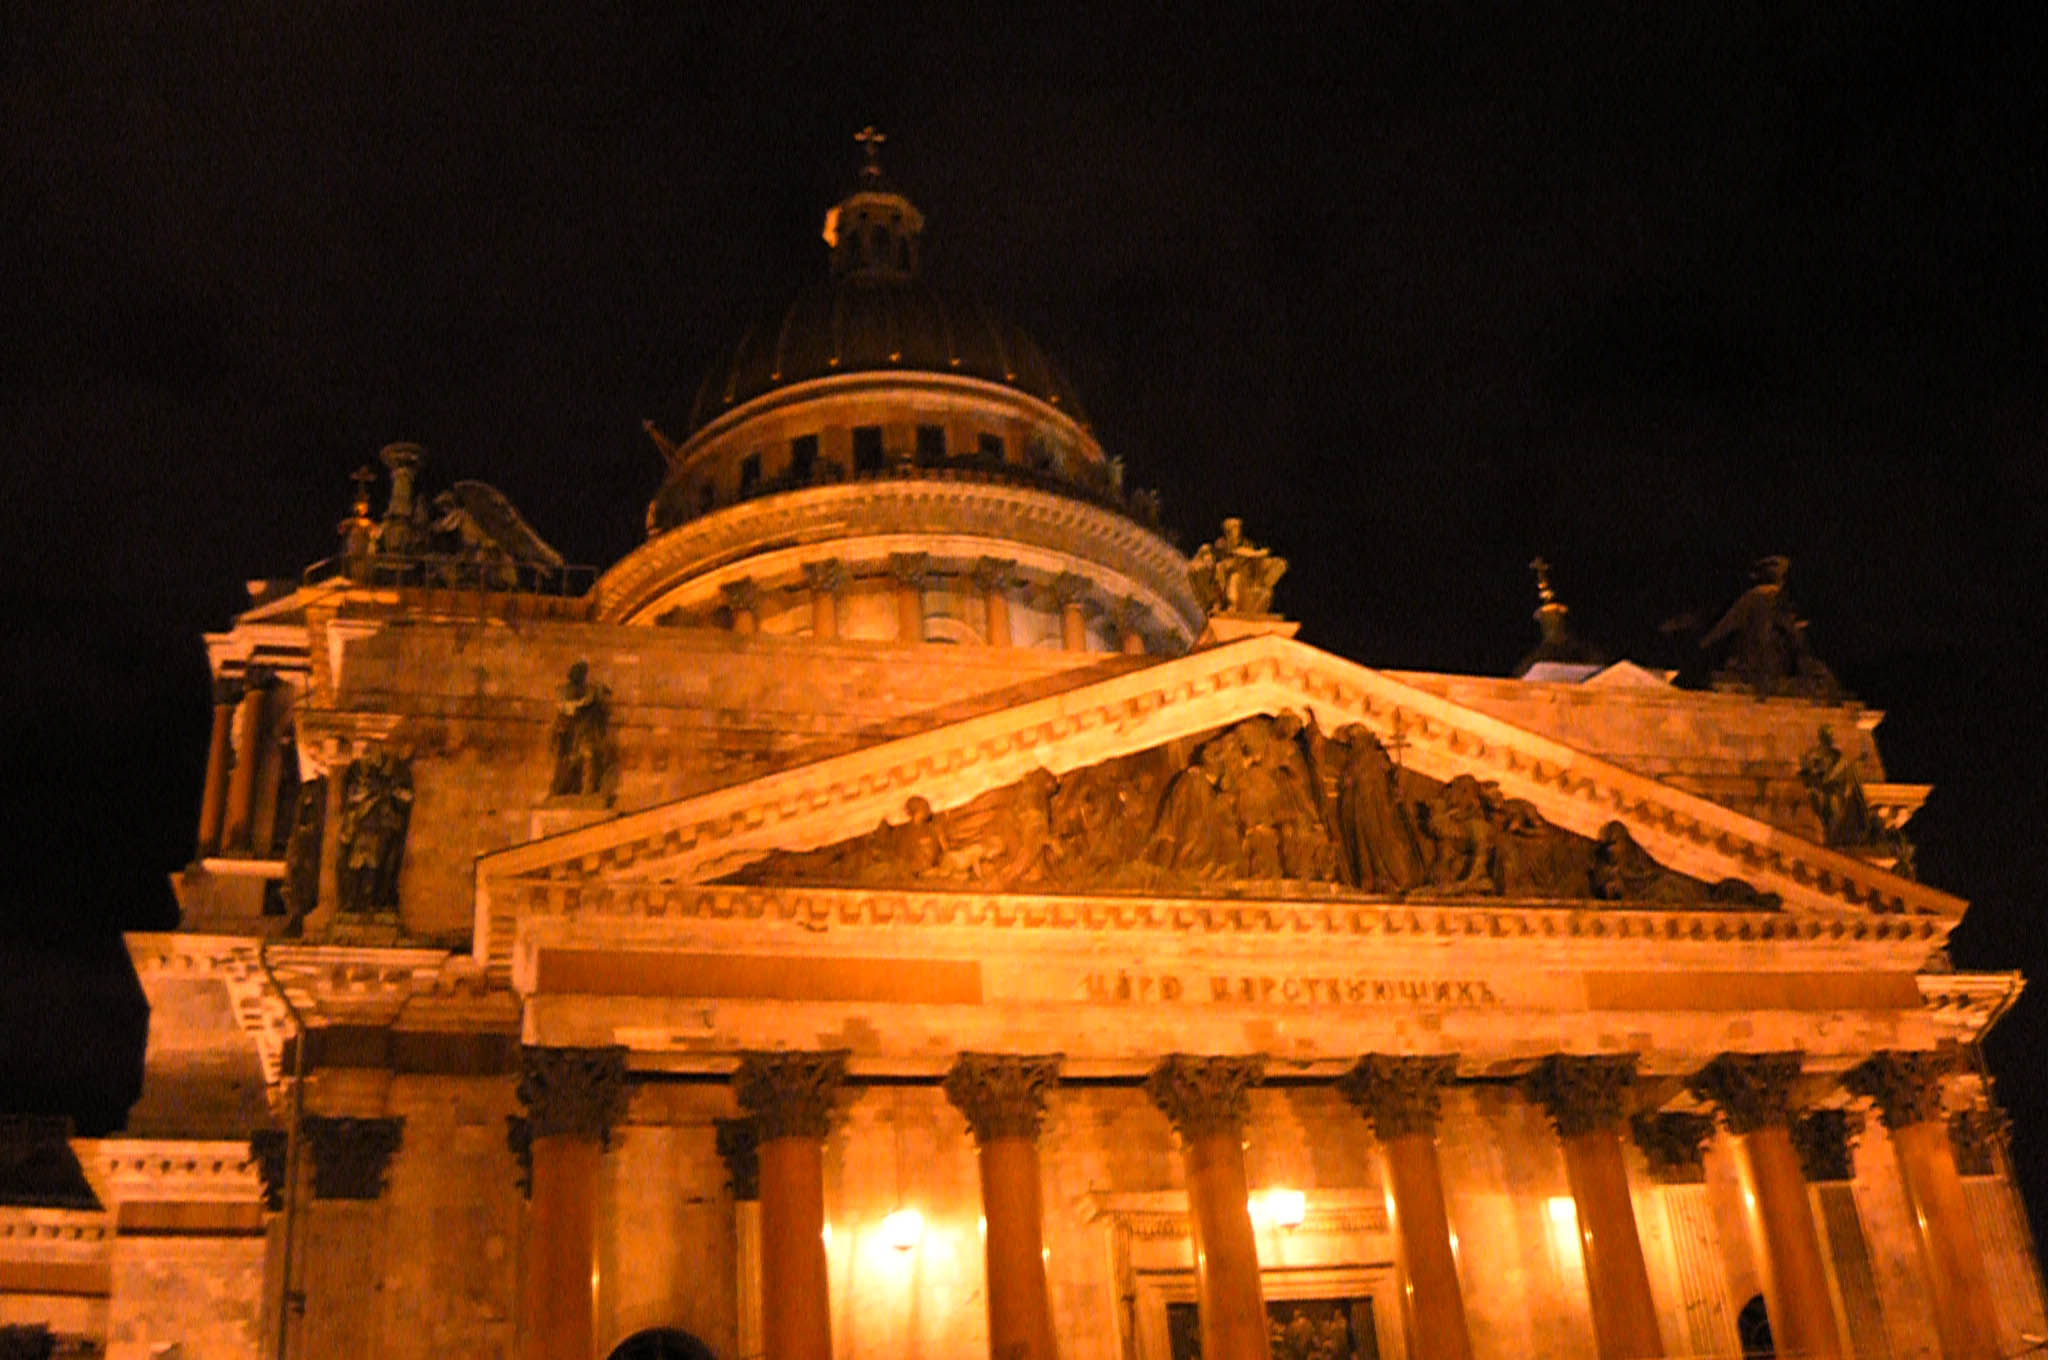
{"points": [[1235, 576], [1765, 640]]}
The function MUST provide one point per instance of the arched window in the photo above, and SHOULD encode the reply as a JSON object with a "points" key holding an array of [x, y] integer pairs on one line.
{"points": [[661, 1343]]}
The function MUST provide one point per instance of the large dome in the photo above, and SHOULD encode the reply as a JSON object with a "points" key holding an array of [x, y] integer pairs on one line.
{"points": [[864, 322]]}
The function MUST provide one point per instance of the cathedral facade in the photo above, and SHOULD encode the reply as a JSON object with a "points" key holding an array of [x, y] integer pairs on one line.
{"points": [[906, 907]]}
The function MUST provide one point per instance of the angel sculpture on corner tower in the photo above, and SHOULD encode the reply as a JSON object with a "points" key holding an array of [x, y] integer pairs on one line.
{"points": [[1268, 799]]}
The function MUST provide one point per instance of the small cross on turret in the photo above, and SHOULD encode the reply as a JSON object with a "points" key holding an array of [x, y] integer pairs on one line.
{"points": [[871, 140]]}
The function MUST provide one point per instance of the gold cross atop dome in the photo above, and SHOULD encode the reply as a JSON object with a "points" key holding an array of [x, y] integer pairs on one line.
{"points": [[871, 139]]}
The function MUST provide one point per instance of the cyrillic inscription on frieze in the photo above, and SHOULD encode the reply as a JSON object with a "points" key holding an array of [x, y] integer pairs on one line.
{"points": [[1286, 989]]}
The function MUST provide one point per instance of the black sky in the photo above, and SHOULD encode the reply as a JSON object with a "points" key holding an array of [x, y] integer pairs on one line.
{"points": [[1419, 290]]}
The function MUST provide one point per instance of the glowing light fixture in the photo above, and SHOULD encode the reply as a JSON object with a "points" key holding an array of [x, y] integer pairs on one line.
{"points": [[903, 1229], [1280, 1208]]}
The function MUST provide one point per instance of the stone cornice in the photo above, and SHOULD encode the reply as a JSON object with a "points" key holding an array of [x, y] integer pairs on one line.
{"points": [[1002, 1095], [697, 838], [1970, 1003], [629, 911], [1205, 1096]]}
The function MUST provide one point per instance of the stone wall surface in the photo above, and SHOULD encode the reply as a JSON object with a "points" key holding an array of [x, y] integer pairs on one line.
{"points": [[1731, 748], [202, 1294], [691, 710]]}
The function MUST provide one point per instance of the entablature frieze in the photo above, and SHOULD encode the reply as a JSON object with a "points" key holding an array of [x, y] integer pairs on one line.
{"points": [[709, 835], [535, 913]]}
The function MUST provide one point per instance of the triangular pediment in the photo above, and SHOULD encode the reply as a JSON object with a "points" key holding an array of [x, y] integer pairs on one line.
{"points": [[1185, 701]]}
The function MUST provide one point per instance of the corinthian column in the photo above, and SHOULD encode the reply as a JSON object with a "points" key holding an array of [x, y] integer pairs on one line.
{"points": [[1401, 1097], [739, 1146], [995, 576], [911, 572], [1754, 1094], [1906, 1088], [1070, 591], [572, 1096], [1004, 1098], [213, 797], [790, 1097], [1207, 1101], [249, 725], [1583, 1097], [743, 601], [825, 580]]}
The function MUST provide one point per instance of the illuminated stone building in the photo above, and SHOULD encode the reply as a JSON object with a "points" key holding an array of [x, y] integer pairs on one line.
{"points": [[907, 908]]}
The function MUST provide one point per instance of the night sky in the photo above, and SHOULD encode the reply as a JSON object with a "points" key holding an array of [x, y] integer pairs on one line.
{"points": [[1420, 291]]}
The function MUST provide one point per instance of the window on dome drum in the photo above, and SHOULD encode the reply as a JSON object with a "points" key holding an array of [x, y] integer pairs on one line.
{"points": [[803, 457], [867, 448], [990, 446], [931, 445], [750, 474]]}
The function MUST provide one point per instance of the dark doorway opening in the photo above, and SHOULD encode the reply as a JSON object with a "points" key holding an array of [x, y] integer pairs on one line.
{"points": [[661, 1343]]}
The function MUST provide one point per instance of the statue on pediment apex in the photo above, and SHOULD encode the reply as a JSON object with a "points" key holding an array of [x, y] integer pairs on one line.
{"points": [[1836, 792], [1764, 640], [1235, 576]]}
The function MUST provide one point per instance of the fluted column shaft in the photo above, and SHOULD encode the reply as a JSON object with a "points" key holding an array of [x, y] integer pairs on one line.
{"points": [[1583, 1097], [825, 580], [1401, 1097], [1206, 1100], [572, 1096], [213, 797], [910, 571], [1754, 1094], [741, 1150], [241, 802], [1069, 590], [1906, 1088], [995, 576], [790, 1097], [1003, 1098]]}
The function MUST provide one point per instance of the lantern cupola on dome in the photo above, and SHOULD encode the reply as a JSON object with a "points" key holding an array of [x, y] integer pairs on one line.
{"points": [[899, 440]]}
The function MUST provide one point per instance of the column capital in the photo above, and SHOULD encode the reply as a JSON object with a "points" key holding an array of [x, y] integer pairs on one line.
{"points": [[227, 691], [744, 593], [739, 1147], [1201, 1095], [1976, 1136], [267, 1149], [1069, 588], [910, 569], [827, 577], [790, 1095], [1399, 1095], [351, 1155], [258, 678], [1674, 1143], [572, 1092], [1752, 1090], [995, 573], [1581, 1094], [1826, 1143], [519, 1142], [1003, 1095], [1904, 1085]]}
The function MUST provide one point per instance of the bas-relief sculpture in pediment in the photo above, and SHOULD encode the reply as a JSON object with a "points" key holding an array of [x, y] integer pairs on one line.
{"points": [[1267, 799]]}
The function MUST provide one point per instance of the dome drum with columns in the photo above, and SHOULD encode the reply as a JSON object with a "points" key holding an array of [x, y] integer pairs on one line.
{"points": [[879, 403]]}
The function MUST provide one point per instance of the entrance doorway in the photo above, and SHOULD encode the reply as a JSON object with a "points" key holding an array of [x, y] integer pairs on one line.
{"points": [[661, 1343]]}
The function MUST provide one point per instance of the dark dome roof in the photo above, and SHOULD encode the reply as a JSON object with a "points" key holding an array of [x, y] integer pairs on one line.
{"points": [[868, 325]]}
